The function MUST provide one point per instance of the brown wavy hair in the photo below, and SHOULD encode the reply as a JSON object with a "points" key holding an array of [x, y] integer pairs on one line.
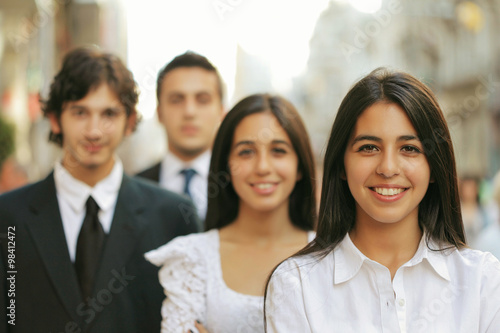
{"points": [[84, 69]]}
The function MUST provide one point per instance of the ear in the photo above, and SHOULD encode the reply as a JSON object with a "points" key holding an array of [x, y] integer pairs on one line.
{"points": [[432, 180], [131, 123], [55, 125], [343, 175]]}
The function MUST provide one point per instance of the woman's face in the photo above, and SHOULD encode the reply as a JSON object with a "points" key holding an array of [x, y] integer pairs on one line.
{"points": [[263, 163], [385, 167]]}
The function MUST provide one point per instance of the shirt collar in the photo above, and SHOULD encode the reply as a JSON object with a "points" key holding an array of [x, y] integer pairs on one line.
{"points": [[348, 259], [172, 165], [434, 254], [76, 192]]}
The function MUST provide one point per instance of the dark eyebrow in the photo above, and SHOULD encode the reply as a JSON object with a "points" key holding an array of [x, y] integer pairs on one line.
{"points": [[175, 93], [76, 106], [245, 142], [114, 109], [367, 138], [408, 138], [281, 142], [248, 142], [377, 139], [82, 107]]}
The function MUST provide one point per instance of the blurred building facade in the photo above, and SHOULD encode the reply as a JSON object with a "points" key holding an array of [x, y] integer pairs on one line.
{"points": [[453, 46]]}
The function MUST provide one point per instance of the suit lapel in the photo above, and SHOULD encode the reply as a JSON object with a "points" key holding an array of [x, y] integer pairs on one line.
{"points": [[48, 235], [155, 172], [124, 234]]}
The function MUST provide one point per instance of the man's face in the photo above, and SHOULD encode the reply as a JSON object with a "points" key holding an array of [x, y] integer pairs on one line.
{"points": [[92, 129], [190, 108]]}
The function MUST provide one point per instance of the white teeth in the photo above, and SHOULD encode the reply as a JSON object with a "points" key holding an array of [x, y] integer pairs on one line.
{"points": [[388, 191], [263, 186]]}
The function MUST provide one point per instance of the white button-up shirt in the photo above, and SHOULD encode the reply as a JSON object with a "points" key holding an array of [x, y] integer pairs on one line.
{"points": [[172, 179], [72, 196], [345, 291]]}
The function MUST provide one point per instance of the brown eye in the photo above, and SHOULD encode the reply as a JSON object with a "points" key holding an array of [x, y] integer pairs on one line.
{"points": [[175, 99], [410, 149], [368, 148], [245, 152], [204, 99], [110, 113], [279, 151]]}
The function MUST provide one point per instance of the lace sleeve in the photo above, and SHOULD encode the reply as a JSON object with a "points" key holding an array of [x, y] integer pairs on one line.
{"points": [[183, 275]]}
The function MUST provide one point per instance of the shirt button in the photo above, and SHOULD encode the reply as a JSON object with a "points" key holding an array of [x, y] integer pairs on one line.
{"points": [[401, 302]]}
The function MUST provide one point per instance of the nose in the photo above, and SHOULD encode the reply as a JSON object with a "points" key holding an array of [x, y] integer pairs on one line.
{"points": [[388, 165], [190, 107], [94, 128], [263, 163]]}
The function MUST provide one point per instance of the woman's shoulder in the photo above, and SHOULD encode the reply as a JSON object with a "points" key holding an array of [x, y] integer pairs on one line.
{"points": [[471, 264], [304, 265], [477, 258], [190, 247]]}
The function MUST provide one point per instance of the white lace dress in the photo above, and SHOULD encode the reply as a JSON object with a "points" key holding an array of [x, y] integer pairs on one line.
{"points": [[191, 276]]}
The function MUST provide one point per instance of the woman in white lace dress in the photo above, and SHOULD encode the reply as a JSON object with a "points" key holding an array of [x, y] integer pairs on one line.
{"points": [[261, 210]]}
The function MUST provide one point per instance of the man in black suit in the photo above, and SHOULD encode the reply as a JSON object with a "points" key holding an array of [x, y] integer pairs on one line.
{"points": [[72, 245], [189, 106]]}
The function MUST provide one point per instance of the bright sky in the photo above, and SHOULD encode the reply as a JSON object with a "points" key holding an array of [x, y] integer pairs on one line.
{"points": [[277, 32]]}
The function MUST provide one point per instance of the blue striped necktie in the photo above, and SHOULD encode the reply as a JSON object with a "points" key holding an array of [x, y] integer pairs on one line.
{"points": [[188, 176]]}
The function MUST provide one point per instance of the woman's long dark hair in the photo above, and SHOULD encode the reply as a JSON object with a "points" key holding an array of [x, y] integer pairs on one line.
{"points": [[223, 202], [439, 211]]}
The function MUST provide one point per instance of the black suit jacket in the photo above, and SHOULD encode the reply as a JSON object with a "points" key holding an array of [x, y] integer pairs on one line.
{"points": [[36, 272], [152, 173]]}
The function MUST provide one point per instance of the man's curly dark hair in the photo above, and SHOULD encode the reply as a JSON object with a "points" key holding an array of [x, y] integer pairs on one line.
{"points": [[84, 69]]}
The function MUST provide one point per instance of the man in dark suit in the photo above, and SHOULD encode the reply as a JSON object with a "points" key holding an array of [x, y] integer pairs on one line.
{"points": [[189, 106], [73, 244]]}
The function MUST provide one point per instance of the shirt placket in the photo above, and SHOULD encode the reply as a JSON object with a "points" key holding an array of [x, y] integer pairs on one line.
{"points": [[400, 298], [386, 296]]}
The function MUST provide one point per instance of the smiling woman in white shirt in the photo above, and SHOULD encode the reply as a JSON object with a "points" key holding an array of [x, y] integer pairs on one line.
{"points": [[390, 253], [261, 210]]}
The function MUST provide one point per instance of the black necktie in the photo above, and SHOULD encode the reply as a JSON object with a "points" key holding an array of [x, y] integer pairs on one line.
{"points": [[88, 248], [188, 175]]}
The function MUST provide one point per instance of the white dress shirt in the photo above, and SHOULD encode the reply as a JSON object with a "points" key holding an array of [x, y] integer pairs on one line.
{"points": [[436, 291], [72, 196], [172, 179]]}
